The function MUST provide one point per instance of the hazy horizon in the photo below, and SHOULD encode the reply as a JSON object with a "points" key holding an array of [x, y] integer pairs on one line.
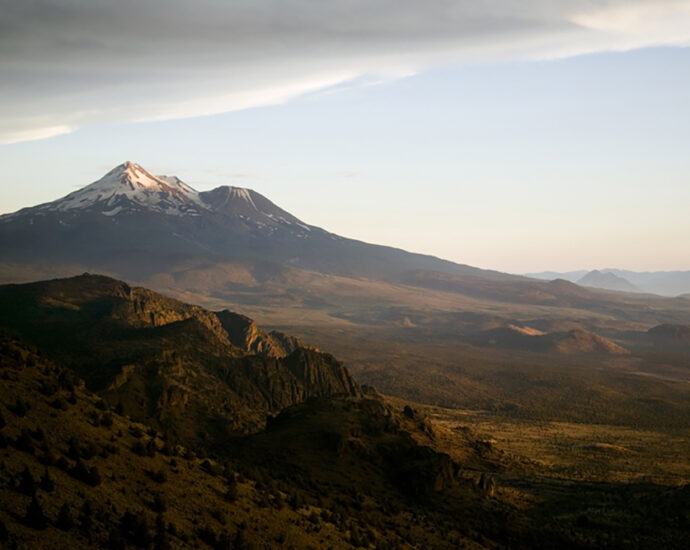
{"points": [[546, 138]]}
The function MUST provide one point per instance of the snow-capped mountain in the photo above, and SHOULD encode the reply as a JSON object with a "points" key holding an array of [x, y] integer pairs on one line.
{"points": [[129, 187], [129, 190], [131, 222]]}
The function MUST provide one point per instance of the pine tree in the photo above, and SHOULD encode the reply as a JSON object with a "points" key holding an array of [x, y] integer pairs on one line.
{"points": [[151, 448], [240, 541], [4, 533], [64, 520], [86, 519], [231, 493], [27, 484], [35, 518], [160, 540]]}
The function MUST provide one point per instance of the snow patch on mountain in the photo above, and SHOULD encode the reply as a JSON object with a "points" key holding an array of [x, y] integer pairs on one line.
{"points": [[128, 187], [244, 194]]}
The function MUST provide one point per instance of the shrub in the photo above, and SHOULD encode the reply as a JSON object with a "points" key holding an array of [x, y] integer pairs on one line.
{"points": [[20, 408], [231, 494], [48, 458], [66, 380], [47, 388], [135, 529], [38, 434], [77, 450], [47, 484], [90, 476], [314, 518], [139, 448], [136, 431], [159, 504], [159, 476], [208, 536], [161, 540], [210, 467], [64, 520], [169, 445], [151, 448], [116, 540], [59, 403], [24, 442]]}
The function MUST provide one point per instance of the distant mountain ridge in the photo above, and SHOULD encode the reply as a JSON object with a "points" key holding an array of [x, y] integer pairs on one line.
{"points": [[664, 283], [607, 281]]}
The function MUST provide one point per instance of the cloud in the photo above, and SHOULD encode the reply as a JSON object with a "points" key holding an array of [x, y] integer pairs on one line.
{"points": [[33, 134], [69, 63]]}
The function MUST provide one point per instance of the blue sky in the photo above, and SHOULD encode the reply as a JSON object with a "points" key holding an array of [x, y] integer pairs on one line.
{"points": [[543, 160]]}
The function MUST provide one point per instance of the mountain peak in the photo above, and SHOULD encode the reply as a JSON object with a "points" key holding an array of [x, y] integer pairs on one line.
{"points": [[250, 205], [607, 281], [227, 193], [129, 188], [133, 172]]}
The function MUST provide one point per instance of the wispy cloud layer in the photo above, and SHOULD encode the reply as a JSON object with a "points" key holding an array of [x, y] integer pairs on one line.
{"points": [[69, 63]]}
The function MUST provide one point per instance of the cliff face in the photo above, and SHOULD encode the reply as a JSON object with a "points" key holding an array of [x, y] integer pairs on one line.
{"points": [[243, 333], [193, 372], [321, 374]]}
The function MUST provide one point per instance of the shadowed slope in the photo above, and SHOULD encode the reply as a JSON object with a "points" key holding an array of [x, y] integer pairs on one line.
{"points": [[166, 360]]}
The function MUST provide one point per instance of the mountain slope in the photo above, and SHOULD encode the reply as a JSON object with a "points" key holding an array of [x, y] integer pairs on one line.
{"points": [[341, 473], [134, 218], [168, 361], [234, 246], [101, 480], [77, 474]]}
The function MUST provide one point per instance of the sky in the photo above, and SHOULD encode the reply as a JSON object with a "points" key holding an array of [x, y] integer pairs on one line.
{"points": [[513, 135]]}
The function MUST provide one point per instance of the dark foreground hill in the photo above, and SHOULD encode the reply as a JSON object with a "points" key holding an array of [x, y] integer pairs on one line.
{"points": [[197, 374], [74, 473], [106, 441]]}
